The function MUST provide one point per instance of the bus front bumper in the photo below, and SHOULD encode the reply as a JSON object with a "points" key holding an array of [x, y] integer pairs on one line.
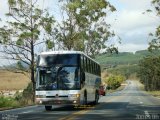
{"points": [[55, 101]]}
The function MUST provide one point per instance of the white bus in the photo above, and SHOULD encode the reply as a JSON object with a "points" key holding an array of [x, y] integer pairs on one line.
{"points": [[67, 77]]}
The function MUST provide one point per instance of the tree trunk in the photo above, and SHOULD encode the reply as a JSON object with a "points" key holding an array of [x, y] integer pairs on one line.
{"points": [[32, 57], [32, 70]]}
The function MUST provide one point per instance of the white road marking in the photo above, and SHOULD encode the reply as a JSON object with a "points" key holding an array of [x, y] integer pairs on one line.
{"points": [[27, 111]]}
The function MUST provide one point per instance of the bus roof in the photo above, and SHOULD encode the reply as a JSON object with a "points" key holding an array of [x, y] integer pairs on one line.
{"points": [[66, 52]]}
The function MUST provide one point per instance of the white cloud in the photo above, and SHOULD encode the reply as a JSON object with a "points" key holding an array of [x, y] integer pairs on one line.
{"points": [[131, 25], [131, 20], [136, 4], [131, 47], [3, 7]]}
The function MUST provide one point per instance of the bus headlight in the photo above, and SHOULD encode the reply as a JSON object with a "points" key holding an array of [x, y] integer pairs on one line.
{"points": [[74, 95]]}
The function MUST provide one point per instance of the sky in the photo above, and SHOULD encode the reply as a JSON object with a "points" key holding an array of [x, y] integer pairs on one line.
{"points": [[131, 25], [128, 22]]}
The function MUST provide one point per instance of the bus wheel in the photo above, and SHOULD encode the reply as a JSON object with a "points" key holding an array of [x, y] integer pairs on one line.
{"points": [[85, 99], [48, 108]]}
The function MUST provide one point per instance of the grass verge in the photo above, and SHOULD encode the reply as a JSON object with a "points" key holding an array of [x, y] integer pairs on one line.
{"points": [[154, 93], [8, 103], [18, 100]]}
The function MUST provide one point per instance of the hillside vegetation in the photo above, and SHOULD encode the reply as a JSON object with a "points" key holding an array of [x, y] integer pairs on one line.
{"points": [[124, 64], [111, 60]]}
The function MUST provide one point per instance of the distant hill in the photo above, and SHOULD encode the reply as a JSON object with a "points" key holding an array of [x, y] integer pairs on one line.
{"points": [[124, 57], [13, 66]]}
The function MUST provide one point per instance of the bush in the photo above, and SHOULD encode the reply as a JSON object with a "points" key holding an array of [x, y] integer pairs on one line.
{"points": [[8, 102], [114, 81], [26, 97], [19, 99]]}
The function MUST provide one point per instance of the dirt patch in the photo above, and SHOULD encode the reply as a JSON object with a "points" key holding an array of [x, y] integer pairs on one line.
{"points": [[13, 81]]}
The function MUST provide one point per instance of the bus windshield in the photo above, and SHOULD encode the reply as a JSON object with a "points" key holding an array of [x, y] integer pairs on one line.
{"points": [[58, 59], [59, 78]]}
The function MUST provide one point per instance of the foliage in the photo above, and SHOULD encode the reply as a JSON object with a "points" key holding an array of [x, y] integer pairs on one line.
{"points": [[114, 81], [113, 60], [123, 58], [83, 26], [155, 43], [154, 93], [19, 99], [20, 35], [125, 70], [25, 98], [20, 66], [8, 102], [149, 72]]}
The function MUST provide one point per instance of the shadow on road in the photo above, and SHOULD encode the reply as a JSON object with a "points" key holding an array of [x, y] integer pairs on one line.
{"points": [[74, 108], [66, 108], [128, 94]]}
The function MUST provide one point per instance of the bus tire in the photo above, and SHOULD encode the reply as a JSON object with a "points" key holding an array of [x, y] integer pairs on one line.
{"points": [[48, 108]]}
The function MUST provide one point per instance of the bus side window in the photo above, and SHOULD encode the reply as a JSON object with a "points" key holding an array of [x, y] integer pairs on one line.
{"points": [[94, 71], [99, 70], [82, 78], [86, 64], [90, 66], [82, 64]]}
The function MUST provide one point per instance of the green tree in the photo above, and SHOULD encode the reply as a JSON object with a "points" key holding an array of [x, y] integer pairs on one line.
{"points": [[155, 42], [114, 81], [149, 72], [83, 26], [19, 35]]}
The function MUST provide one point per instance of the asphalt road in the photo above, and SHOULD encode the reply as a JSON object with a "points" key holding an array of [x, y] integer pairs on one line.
{"points": [[128, 104]]}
